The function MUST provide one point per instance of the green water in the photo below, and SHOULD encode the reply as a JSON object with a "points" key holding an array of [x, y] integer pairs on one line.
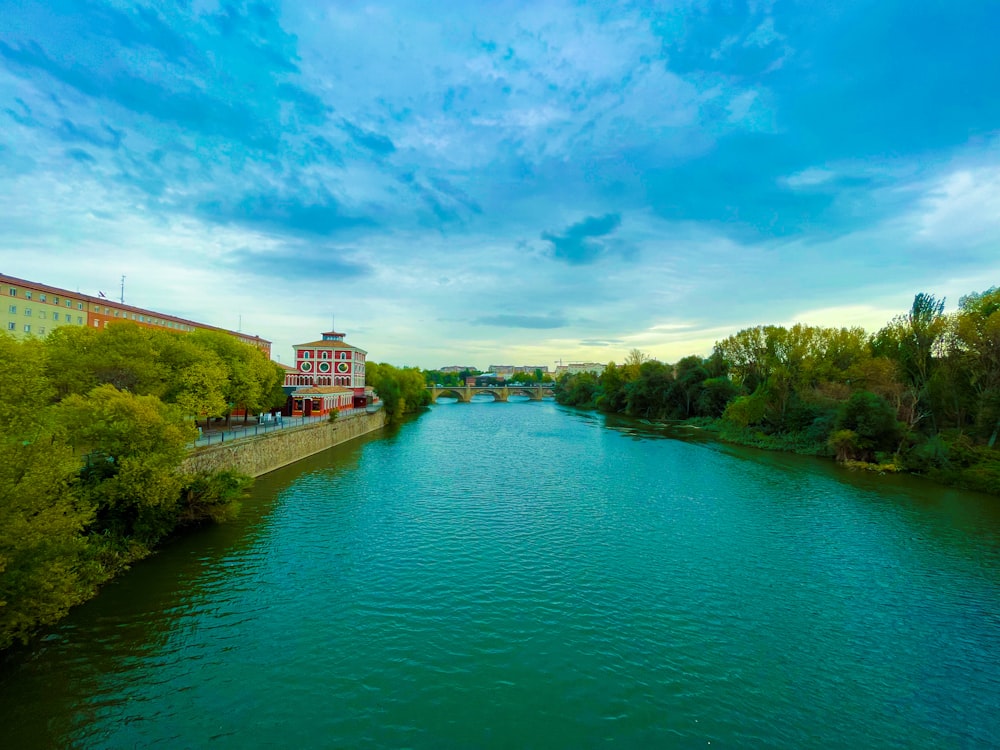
{"points": [[520, 575]]}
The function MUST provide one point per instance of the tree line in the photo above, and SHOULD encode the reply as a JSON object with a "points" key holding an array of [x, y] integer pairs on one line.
{"points": [[921, 395], [401, 389], [94, 425]]}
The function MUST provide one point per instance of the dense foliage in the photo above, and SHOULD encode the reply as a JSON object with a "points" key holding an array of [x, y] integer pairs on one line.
{"points": [[922, 394], [402, 389], [93, 428]]}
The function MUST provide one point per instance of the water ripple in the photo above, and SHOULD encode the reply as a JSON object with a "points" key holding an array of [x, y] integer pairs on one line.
{"points": [[517, 575]]}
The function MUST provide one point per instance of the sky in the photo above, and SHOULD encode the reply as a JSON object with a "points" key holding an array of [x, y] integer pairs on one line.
{"points": [[504, 182]]}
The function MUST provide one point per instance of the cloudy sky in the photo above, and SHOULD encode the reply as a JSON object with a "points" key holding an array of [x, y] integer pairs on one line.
{"points": [[503, 182]]}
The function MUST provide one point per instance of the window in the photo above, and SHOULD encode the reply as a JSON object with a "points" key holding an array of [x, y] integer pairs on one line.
{"points": [[55, 300], [41, 314], [12, 309], [10, 326], [27, 328], [305, 355], [79, 305], [79, 320], [12, 291], [27, 312], [55, 316], [97, 324], [69, 303], [41, 297], [27, 294], [41, 331]]}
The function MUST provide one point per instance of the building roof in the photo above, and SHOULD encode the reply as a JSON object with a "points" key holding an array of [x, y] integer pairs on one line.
{"points": [[321, 390], [327, 344], [105, 302]]}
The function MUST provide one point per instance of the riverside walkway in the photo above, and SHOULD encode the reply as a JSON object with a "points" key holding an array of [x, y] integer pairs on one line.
{"points": [[214, 437]]}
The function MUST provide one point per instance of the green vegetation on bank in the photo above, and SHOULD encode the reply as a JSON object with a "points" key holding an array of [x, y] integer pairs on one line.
{"points": [[402, 389], [921, 395], [94, 425]]}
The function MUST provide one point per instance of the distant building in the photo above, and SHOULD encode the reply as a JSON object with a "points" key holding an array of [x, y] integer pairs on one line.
{"points": [[575, 368], [514, 369], [332, 366], [33, 309], [458, 368], [481, 381]]}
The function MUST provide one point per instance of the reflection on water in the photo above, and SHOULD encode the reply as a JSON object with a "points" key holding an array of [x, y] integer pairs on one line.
{"points": [[519, 574]]}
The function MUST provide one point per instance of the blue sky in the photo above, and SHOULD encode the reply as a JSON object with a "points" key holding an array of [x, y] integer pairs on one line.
{"points": [[504, 182]]}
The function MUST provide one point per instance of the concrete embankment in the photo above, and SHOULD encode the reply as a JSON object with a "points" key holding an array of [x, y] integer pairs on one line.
{"points": [[263, 453]]}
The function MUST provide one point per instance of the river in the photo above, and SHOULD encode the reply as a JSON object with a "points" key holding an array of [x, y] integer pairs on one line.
{"points": [[524, 575]]}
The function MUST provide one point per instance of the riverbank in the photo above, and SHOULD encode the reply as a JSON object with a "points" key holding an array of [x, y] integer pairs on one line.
{"points": [[259, 454], [574, 580], [205, 484], [963, 465]]}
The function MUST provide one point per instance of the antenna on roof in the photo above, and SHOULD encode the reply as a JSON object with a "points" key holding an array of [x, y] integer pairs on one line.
{"points": [[122, 298]]}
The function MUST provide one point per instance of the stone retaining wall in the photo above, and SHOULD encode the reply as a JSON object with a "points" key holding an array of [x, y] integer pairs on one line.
{"points": [[263, 453]]}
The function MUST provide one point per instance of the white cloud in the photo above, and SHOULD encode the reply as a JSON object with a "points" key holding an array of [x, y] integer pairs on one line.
{"points": [[809, 178], [962, 206]]}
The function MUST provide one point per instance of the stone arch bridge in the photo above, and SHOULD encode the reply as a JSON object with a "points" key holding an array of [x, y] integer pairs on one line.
{"points": [[464, 393]]}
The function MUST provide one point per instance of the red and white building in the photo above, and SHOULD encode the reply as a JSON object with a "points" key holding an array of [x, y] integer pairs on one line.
{"points": [[328, 375]]}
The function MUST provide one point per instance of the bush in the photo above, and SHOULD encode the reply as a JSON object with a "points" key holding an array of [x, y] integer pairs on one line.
{"points": [[872, 420]]}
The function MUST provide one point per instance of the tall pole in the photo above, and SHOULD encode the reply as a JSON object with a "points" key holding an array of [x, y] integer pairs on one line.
{"points": [[122, 298]]}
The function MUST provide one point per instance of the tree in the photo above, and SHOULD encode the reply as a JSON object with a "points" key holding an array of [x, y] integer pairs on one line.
{"points": [[689, 374], [715, 395], [401, 390], [195, 378], [977, 348], [134, 446], [910, 340], [871, 420], [612, 385], [43, 566], [250, 376], [633, 361]]}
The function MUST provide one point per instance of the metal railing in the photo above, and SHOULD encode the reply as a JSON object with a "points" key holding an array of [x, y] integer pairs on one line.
{"points": [[215, 437]]}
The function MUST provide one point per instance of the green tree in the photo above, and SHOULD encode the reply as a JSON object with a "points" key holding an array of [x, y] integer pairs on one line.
{"points": [[134, 446], [689, 375], [715, 395], [910, 340], [612, 383], [402, 390], [977, 349], [872, 422], [195, 378], [43, 564], [250, 377]]}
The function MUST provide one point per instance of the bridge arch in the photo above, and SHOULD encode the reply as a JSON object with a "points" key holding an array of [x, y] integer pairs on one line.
{"points": [[499, 393], [458, 393]]}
